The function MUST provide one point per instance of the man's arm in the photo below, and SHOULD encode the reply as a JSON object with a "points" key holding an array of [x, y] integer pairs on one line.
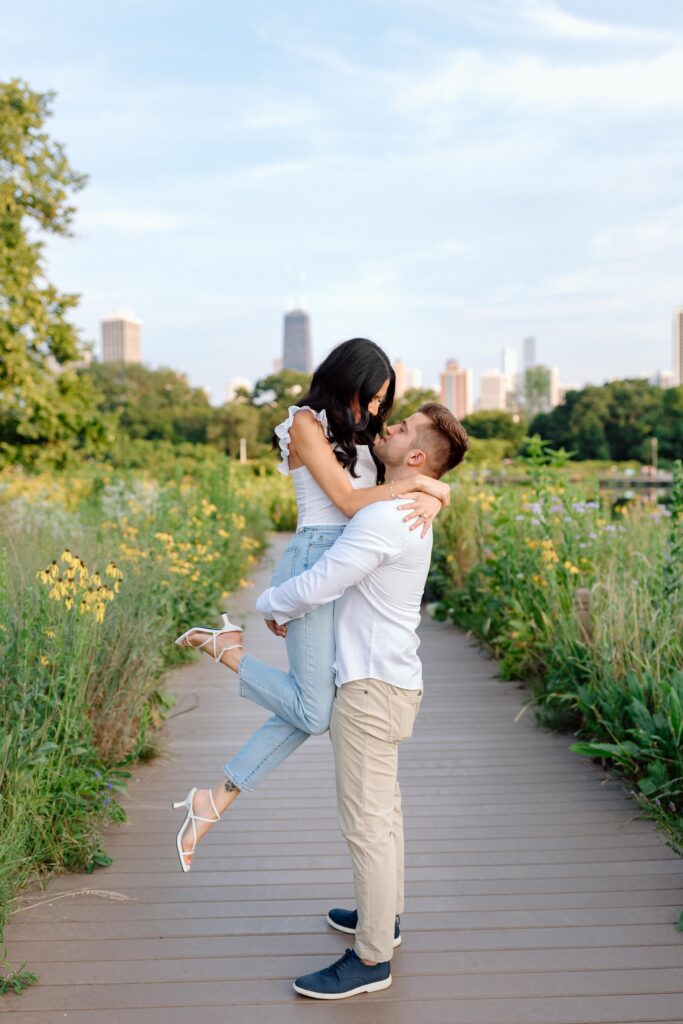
{"points": [[375, 535]]}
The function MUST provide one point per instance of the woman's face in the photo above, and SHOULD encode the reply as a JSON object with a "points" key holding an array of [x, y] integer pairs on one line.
{"points": [[373, 404]]}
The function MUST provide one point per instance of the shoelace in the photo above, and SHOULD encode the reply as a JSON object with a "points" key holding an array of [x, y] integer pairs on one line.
{"points": [[334, 968]]}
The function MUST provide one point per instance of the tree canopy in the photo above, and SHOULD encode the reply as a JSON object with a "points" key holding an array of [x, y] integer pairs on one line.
{"points": [[616, 421], [42, 399]]}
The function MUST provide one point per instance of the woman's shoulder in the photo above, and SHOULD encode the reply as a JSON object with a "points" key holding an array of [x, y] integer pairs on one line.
{"points": [[283, 431]]}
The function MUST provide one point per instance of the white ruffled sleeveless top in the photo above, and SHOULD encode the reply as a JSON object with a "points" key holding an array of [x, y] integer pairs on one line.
{"points": [[314, 507]]}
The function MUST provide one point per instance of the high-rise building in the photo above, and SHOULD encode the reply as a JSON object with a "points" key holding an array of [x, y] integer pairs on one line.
{"points": [[456, 389], [530, 353], [234, 384], [554, 387], [296, 347], [663, 379], [493, 388], [509, 365], [121, 338], [678, 347], [407, 377]]}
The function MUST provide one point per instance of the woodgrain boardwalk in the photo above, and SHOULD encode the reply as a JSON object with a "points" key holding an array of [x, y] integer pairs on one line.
{"points": [[533, 893]]}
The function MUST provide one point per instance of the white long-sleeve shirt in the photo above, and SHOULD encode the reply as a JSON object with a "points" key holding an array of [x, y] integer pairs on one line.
{"points": [[376, 572]]}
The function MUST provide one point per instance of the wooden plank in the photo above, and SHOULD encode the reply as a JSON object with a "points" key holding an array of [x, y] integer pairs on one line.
{"points": [[536, 894]]}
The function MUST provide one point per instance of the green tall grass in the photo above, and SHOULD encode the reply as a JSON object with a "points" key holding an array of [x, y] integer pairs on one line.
{"points": [[80, 698], [517, 565]]}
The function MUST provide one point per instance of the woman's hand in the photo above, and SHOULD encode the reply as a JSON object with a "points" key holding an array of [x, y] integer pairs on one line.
{"points": [[437, 488], [422, 508]]}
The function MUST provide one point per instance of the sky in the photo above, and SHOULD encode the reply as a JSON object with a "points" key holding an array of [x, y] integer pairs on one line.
{"points": [[442, 176]]}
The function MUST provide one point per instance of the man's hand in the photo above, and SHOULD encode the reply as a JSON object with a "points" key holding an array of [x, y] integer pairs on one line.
{"points": [[274, 628]]}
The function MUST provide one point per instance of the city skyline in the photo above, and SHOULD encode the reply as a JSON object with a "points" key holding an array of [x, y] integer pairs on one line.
{"points": [[452, 177], [498, 388]]}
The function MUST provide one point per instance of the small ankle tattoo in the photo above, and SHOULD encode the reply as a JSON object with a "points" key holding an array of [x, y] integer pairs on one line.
{"points": [[230, 786]]}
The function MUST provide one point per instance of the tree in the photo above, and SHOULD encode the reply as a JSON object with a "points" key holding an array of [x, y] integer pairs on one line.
{"points": [[536, 390], [634, 408], [410, 402], [614, 421], [670, 424], [42, 399], [274, 394], [152, 404], [233, 421], [489, 423]]}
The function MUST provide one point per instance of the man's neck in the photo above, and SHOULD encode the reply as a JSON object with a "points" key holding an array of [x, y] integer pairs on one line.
{"points": [[403, 473]]}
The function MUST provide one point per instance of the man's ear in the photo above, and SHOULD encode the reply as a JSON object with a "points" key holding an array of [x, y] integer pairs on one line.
{"points": [[417, 458]]}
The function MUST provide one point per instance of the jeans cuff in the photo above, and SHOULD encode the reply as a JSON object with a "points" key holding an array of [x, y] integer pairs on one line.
{"points": [[241, 672]]}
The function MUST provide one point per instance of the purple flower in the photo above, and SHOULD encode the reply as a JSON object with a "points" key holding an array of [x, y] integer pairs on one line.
{"points": [[109, 785], [107, 800], [583, 544], [536, 522], [520, 519], [592, 504], [672, 806], [98, 775]]}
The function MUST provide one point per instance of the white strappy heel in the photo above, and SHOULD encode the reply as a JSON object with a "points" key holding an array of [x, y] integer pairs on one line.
{"points": [[227, 627], [191, 817]]}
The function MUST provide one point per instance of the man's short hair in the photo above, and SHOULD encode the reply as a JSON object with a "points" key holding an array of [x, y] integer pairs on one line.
{"points": [[444, 439]]}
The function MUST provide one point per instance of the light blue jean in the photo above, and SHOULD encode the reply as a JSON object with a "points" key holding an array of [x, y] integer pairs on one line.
{"points": [[302, 698]]}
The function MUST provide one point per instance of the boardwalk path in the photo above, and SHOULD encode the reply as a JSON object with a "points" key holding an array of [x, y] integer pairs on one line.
{"points": [[534, 895]]}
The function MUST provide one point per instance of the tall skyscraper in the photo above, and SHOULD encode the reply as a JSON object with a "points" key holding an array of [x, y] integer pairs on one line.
{"points": [[456, 389], [493, 388], [530, 354], [121, 341], [407, 377], [678, 347], [296, 346]]}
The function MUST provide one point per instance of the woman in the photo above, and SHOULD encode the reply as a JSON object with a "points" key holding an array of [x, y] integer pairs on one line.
{"points": [[326, 445]]}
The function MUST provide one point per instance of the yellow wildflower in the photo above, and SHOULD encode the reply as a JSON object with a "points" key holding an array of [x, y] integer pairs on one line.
{"points": [[44, 660], [50, 633]]}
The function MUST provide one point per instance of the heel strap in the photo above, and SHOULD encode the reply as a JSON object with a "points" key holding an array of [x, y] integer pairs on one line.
{"points": [[213, 806], [232, 647]]}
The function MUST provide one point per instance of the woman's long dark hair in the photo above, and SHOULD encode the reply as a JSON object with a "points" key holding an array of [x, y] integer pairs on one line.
{"points": [[357, 367]]}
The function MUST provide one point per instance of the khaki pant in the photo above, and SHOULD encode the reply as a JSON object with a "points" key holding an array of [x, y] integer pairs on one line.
{"points": [[369, 720]]}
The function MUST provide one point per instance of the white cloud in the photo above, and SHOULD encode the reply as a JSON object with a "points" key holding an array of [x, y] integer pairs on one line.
{"points": [[550, 18], [532, 81]]}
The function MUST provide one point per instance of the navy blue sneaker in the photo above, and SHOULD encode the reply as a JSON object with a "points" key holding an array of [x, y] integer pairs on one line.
{"points": [[347, 921], [345, 977]]}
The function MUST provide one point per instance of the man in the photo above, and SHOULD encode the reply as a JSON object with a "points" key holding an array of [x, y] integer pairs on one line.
{"points": [[376, 572]]}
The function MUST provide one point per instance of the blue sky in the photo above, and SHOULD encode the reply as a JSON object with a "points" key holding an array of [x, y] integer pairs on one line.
{"points": [[450, 176]]}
